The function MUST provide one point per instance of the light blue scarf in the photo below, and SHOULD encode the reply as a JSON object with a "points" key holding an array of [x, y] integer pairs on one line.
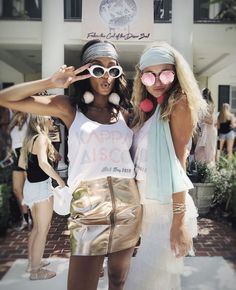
{"points": [[165, 175]]}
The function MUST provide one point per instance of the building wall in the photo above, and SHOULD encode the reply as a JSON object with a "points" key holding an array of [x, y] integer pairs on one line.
{"points": [[208, 36], [226, 76], [9, 74]]}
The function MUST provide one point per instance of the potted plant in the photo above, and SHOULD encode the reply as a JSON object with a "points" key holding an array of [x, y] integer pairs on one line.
{"points": [[202, 193], [224, 179]]}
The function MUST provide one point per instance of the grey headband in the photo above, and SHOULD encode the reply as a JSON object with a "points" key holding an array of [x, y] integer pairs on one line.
{"points": [[101, 49], [155, 56]]}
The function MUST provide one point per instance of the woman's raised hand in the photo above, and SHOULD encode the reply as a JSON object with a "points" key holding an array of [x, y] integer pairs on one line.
{"points": [[66, 76]]}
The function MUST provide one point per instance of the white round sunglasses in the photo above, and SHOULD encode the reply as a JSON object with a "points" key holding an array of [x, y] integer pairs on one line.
{"points": [[99, 71]]}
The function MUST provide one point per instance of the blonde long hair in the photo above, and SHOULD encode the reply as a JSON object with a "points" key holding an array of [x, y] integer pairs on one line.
{"points": [[37, 125], [185, 85], [225, 114], [18, 119]]}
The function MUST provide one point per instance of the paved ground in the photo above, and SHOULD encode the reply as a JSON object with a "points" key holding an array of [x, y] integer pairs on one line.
{"points": [[214, 239]]}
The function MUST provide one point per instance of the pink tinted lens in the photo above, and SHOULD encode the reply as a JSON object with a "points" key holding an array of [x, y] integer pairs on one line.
{"points": [[148, 79], [167, 77]]}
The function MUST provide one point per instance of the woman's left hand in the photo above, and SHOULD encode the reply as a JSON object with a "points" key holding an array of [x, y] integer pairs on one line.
{"points": [[180, 239]]}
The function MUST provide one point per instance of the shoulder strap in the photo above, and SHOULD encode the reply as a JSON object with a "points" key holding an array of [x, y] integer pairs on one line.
{"points": [[34, 138]]}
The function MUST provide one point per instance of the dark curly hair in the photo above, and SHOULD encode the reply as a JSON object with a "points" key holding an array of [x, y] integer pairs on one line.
{"points": [[79, 88]]}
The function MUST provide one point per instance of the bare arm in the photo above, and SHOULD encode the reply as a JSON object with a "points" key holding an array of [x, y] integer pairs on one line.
{"points": [[181, 131], [40, 148], [233, 121], [21, 162], [21, 97]]}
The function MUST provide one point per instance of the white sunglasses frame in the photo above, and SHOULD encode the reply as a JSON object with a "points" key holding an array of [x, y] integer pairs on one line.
{"points": [[106, 70]]}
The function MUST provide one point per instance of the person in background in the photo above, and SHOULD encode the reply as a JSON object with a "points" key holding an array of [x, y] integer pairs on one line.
{"points": [[226, 122], [36, 154], [5, 139], [17, 129], [55, 137], [205, 150], [167, 106], [105, 212]]}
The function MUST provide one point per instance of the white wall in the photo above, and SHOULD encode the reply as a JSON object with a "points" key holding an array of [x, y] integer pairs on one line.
{"points": [[20, 32], [9, 74], [226, 76]]}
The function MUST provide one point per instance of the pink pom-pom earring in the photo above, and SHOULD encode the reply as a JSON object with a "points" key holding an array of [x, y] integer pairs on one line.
{"points": [[146, 105]]}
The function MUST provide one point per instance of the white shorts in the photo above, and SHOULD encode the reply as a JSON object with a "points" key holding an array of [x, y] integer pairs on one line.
{"points": [[228, 136], [35, 192]]}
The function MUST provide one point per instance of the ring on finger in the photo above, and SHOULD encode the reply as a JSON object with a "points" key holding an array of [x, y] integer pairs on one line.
{"points": [[62, 67]]}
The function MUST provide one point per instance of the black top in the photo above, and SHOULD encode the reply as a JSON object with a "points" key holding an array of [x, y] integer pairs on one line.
{"points": [[225, 127], [34, 171]]}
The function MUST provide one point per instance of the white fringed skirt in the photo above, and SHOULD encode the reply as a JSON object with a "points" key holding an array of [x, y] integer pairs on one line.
{"points": [[155, 267]]}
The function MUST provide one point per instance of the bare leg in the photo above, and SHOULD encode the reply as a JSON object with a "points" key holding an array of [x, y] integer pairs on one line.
{"points": [[118, 267], [43, 215], [84, 272], [230, 144], [222, 142], [18, 179], [32, 235]]}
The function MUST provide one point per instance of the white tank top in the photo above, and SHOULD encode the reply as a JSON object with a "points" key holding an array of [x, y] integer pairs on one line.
{"points": [[98, 150], [139, 150], [18, 136]]}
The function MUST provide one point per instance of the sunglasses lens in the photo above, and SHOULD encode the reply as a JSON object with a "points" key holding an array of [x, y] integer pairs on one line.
{"points": [[167, 77], [115, 72], [148, 79], [97, 71]]}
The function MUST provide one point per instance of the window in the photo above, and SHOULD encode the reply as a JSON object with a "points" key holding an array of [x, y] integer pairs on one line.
{"points": [[21, 9], [73, 9], [162, 10], [233, 99]]}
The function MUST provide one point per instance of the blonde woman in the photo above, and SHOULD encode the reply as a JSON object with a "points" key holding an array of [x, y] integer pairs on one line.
{"points": [[205, 150], [17, 128], [36, 154], [167, 104], [226, 123]]}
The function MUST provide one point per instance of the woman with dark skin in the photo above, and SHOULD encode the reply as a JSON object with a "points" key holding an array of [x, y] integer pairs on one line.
{"points": [[105, 209]]}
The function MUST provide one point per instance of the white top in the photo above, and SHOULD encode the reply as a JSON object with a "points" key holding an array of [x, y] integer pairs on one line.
{"points": [[139, 150], [98, 150], [18, 136]]}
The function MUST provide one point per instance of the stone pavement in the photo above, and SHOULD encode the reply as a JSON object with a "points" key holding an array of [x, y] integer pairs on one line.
{"points": [[214, 239]]}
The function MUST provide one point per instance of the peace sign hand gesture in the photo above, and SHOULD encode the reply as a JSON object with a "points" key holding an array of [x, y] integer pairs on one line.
{"points": [[66, 76]]}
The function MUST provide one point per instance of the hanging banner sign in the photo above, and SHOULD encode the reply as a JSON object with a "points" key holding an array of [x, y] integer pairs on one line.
{"points": [[117, 20]]}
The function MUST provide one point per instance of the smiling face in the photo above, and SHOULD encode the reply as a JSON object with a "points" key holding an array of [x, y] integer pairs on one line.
{"points": [[159, 87], [103, 85]]}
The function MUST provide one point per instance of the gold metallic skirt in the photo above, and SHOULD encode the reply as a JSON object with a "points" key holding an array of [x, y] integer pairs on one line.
{"points": [[106, 216]]}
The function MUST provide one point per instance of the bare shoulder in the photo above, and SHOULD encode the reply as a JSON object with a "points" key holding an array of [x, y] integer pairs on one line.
{"points": [[181, 106], [181, 120], [181, 111], [41, 139]]}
